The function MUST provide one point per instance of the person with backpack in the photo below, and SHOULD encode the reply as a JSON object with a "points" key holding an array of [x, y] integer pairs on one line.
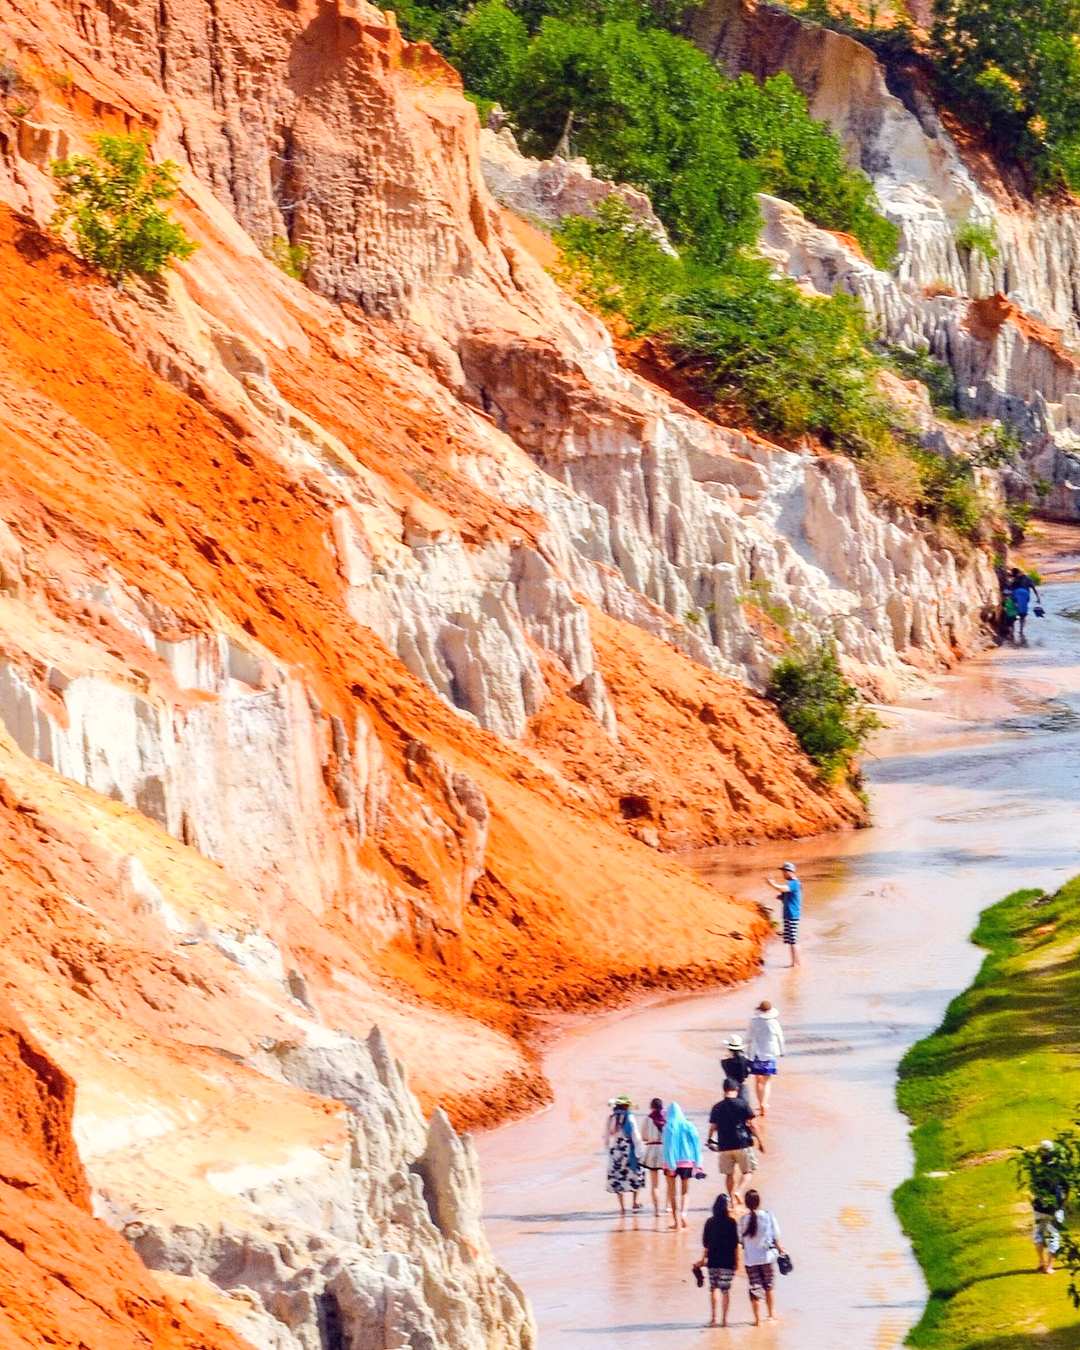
{"points": [[625, 1151], [719, 1257], [736, 1066], [1021, 588], [1049, 1193], [759, 1234], [732, 1134], [790, 892], [765, 1045]]}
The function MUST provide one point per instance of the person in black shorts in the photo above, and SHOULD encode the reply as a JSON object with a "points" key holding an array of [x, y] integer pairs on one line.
{"points": [[720, 1240]]}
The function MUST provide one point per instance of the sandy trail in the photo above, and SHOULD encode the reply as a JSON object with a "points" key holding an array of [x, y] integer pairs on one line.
{"points": [[975, 792]]}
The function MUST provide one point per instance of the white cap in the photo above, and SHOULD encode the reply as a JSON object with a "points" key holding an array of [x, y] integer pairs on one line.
{"points": [[1048, 1146]]}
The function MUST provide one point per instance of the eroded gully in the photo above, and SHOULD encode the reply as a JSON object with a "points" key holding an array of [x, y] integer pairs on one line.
{"points": [[974, 790]]}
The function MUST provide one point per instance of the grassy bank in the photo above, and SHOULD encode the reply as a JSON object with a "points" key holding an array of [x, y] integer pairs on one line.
{"points": [[1002, 1071]]}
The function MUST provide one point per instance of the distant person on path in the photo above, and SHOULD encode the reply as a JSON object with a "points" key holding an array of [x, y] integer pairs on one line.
{"points": [[1021, 588], [652, 1134], [765, 1045], [732, 1129], [720, 1257], [759, 1234], [790, 891], [625, 1151], [736, 1066], [682, 1159], [1049, 1192]]}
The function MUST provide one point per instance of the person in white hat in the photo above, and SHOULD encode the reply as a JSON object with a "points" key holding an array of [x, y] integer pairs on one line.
{"points": [[790, 891], [736, 1066]]}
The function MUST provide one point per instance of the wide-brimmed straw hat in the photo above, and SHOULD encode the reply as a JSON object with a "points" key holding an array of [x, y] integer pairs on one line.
{"points": [[622, 1100], [735, 1042]]}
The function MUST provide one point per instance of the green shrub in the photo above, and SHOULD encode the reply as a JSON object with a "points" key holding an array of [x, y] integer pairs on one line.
{"points": [[802, 161], [797, 364], [998, 446], [489, 48], [975, 236], [1018, 68], [824, 710], [917, 364], [291, 258], [949, 492], [113, 207]]}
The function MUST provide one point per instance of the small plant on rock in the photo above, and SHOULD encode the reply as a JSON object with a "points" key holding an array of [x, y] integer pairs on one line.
{"points": [[113, 207], [293, 259], [977, 237]]}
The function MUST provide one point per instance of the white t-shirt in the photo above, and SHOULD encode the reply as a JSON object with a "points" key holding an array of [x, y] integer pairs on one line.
{"points": [[757, 1250]]}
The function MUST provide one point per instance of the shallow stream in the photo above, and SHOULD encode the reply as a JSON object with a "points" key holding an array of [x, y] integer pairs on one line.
{"points": [[975, 793]]}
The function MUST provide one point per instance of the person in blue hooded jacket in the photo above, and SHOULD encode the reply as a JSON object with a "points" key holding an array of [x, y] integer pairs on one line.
{"points": [[682, 1160], [625, 1152]]}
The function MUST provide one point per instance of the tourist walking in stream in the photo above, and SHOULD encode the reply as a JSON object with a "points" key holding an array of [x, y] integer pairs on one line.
{"points": [[652, 1134], [759, 1234], [765, 1045], [732, 1134], [719, 1257], [737, 1067], [625, 1151], [1021, 589], [790, 892], [682, 1160]]}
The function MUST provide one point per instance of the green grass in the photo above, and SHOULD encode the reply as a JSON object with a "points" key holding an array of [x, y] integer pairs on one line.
{"points": [[1001, 1072]]}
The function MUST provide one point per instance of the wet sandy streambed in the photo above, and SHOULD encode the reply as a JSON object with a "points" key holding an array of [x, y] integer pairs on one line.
{"points": [[975, 791]]}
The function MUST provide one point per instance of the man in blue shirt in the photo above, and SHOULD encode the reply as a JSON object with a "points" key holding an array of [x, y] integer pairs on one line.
{"points": [[790, 891]]}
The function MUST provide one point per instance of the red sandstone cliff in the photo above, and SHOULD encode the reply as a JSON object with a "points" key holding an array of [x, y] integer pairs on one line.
{"points": [[345, 670]]}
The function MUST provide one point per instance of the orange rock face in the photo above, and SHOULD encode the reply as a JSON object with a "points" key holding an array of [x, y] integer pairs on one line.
{"points": [[65, 1279]]}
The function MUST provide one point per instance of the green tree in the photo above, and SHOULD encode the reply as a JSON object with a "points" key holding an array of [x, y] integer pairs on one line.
{"points": [[802, 161], [489, 48], [643, 107], [1019, 65], [112, 205]]}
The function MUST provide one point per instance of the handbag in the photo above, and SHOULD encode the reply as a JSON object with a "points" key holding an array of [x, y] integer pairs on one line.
{"points": [[1040, 613], [699, 1173], [784, 1264]]}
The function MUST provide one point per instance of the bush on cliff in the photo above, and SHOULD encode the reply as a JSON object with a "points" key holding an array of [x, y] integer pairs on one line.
{"points": [[824, 710], [796, 364], [113, 207], [1018, 69]]}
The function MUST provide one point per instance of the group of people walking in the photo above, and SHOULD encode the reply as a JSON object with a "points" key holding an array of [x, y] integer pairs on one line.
{"points": [[668, 1144], [1017, 590]]}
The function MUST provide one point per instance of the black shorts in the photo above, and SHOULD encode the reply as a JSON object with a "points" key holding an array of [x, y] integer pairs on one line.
{"points": [[684, 1172]]}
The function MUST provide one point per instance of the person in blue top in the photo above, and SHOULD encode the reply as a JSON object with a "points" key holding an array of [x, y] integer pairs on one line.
{"points": [[790, 891], [1021, 588]]}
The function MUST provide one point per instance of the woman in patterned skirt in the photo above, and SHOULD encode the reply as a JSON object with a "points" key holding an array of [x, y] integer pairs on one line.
{"points": [[625, 1151]]}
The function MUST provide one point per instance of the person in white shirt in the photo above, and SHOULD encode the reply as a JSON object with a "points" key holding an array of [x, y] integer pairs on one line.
{"points": [[759, 1234], [765, 1045]]}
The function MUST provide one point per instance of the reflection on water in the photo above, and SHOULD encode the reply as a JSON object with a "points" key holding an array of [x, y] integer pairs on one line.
{"points": [[974, 794]]}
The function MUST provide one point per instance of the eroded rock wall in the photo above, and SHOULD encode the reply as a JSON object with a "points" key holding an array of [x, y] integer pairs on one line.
{"points": [[1007, 326], [366, 645]]}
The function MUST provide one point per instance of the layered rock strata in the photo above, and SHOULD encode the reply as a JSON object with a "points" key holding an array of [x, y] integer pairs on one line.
{"points": [[1007, 326], [367, 647]]}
